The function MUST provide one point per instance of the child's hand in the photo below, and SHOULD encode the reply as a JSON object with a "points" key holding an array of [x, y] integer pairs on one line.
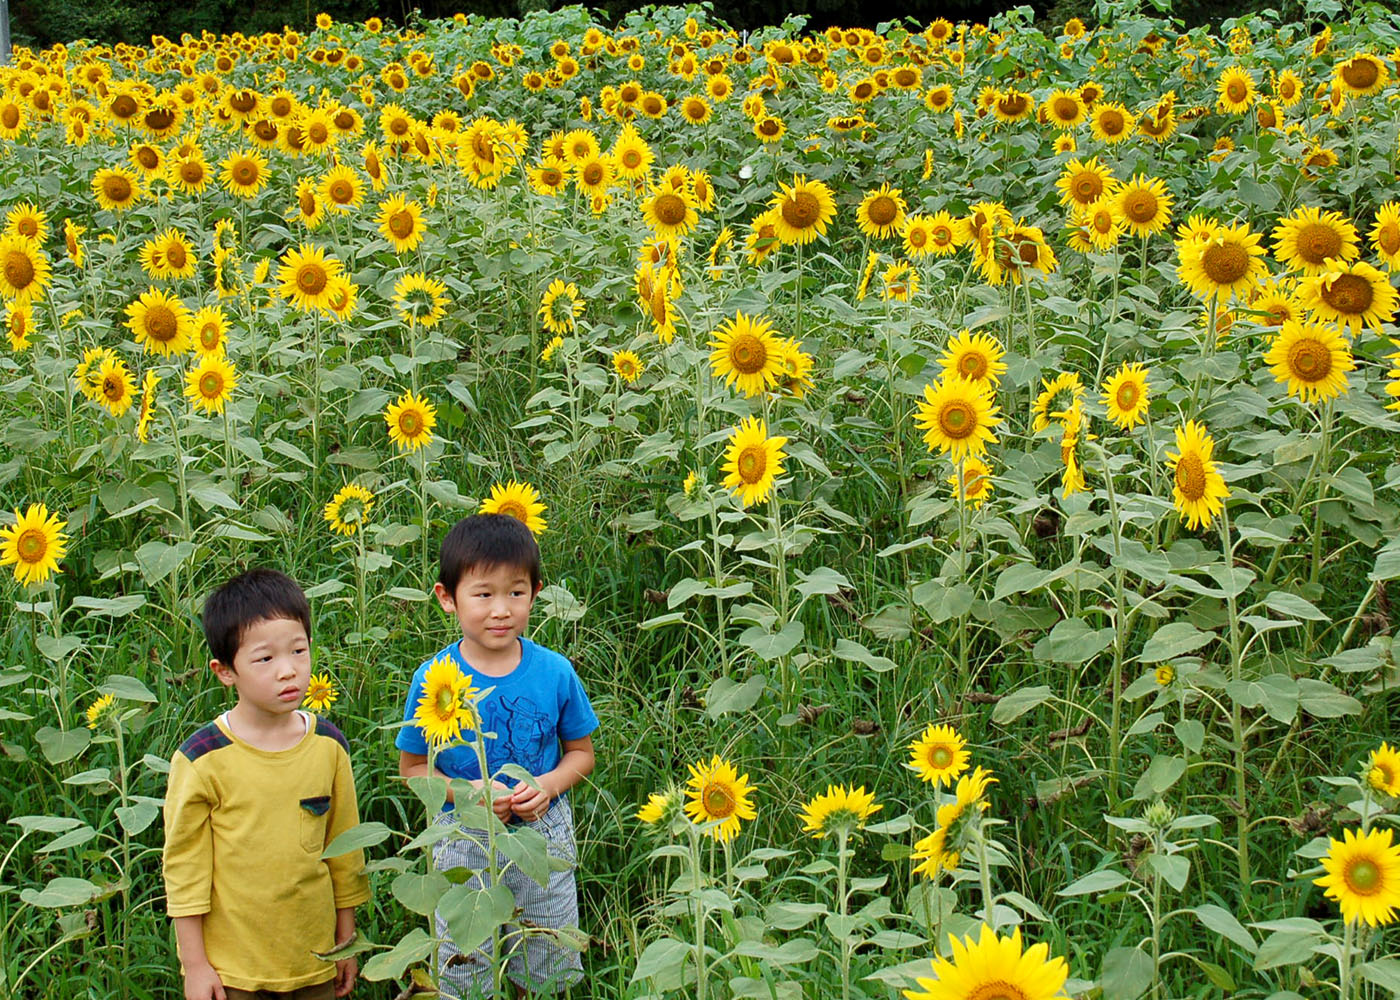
{"points": [[203, 983], [346, 969], [501, 800], [530, 803]]}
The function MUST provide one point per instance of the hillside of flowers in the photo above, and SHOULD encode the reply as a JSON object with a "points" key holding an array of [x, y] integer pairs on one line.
{"points": [[964, 462]]}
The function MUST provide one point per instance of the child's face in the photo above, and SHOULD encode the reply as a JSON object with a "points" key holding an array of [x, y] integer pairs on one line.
{"points": [[271, 668], [492, 605]]}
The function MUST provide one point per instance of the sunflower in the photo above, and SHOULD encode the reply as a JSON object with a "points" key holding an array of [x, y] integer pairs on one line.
{"points": [[19, 324], [993, 967], [627, 366], [957, 416], [518, 500], [881, 212], [1101, 225], [560, 306], [660, 806], [169, 255], [933, 854], [411, 421], [115, 387], [548, 177], [1351, 295], [1111, 122], [1012, 106], [34, 545], [1144, 205], [840, 810], [73, 242], [632, 157], [1127, 395], [1383, 771], [1198, 490], [974, 356], [1310, 237], [1363, 876], [29, 221], [24, 270], [188, 174], [1083, 182], [938, 756], [745, 354], [1065, 109], [161, 323], [1385, 235], [802, 211], [341, 189], [1312, 358], [1236, 90], [554, 344], [349, 509], [401, 223], [753, 461], [976, 483], [717, 794], [594, 177], [420, 300], [100, 709], [1275, 305], [448, 704], [304, 277], [320, 693], [210, 383], [899, 282], [1057, 397], [148, 405], [244, 173], [1229, 262], [669, 212], [13, 117], [1362, 75]]}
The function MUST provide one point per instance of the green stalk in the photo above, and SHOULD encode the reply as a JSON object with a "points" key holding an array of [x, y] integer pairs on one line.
{"points": [[1156, 921], [126, 839], [843, 834], [697, 898], [488, 796], [984, 873], [1120, 636], [1236, 721]]}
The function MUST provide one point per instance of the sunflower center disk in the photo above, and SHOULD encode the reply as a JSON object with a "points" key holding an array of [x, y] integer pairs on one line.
{"points": [[883, 210], [957, 420], [19, 269], [123, 107], [1225, 263], [1065, 109], [670, 209], [112, 388], [802, 210], [1127, 396], [1191, 477], [1111, 123], [1389, 238], [311, 279], [1310, 361], [27, 227], [341, 192], [245, 173], [410, 425], [32, 545], [940, 757], [209, 337], [997, 990], [719, 804], [307, 200], [1236, 91], [1317, 242], [1360, 75], [973, 366], [752, 464], [747, 355], [513, 509], [1141, 207], [401, 224], [160, 323], [175, 255], [445, 704], [1088, 187], [1349, 294], [1363, 876], [211, 385]]}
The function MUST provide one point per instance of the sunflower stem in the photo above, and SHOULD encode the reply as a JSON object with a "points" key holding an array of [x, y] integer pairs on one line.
{"points": [[1237, 735], [1344, 961], [1156, 920], [698, 900], [964, 678], [1120, 634], [984, 874], [843, 834]]}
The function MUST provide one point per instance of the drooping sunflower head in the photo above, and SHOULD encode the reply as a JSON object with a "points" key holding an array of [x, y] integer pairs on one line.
{"points": [[839, 810], [349, 509], [1362, 75]]}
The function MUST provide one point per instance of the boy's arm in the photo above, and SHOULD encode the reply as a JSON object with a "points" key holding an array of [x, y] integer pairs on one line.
{"points": [[346, 969], [201, 981], [575, 764], [348, 881]]}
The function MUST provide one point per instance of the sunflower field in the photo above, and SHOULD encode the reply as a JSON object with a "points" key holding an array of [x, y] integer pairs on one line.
{"points": [[964, 460]]}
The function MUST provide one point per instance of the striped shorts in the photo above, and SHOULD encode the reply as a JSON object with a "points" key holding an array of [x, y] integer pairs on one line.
{"points": [[538, 963]]}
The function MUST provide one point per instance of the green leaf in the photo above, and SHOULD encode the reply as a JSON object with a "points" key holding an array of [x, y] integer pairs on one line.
{"points": [[57, 647], [662, 956], [135, 818], [61, 745], [772, 645], [1095, 882], [727, 695], [415, 946], [62, 892], [1384, 972], [529, 849], [1012, 706], [1126, 975], [110, 607], [357, 838], [158, 559], [854, 652], [1320, 699], [73, 838], [127, 688], [1160, 775], [1136, 559], [1073, 641], [97, 776], [1019, 579], [1285, 948], [210, 497], [1218, 976], [792, 952], [822, 580], [472, 915], [1172, 640], [1173, 868], [1223, 922], [1276, 693], [942, 601], [419, 893], [432, 792], [1191, 733], [1293, 606], [44, 824], [792, 916]]}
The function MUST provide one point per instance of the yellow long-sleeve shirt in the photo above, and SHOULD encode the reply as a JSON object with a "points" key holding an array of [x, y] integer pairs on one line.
{"points": [[244, 831]]}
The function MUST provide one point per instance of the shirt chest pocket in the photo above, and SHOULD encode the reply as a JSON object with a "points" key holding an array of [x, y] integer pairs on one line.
{"points": [[315, 813]]}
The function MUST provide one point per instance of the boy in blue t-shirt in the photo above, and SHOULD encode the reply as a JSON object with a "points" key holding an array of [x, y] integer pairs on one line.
{"points": [[488, 578]]}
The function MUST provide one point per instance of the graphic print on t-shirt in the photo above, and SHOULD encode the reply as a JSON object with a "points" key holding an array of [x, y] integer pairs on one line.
{"points": [[522, 733]]}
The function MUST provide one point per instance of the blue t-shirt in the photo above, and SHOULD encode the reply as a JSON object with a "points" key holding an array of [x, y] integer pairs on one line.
{"points": [[532, 708]]}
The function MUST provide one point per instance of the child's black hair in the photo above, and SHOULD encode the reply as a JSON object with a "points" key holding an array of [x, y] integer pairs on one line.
{"points": [[255, 596], [487, 541]]}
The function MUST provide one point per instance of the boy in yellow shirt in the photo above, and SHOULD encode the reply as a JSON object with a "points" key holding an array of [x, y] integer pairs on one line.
{"points": [[254, 797]]}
